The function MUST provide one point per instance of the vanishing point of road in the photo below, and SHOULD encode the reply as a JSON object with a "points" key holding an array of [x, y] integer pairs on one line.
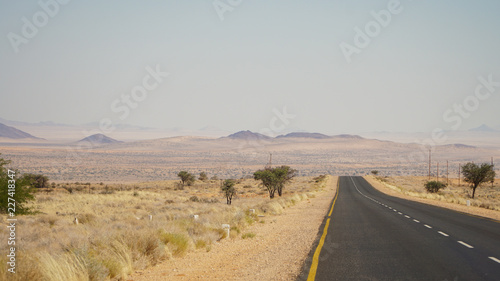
{"points": [[368, 235]]}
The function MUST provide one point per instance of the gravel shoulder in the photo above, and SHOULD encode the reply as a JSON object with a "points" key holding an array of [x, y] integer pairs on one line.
{"points": [[277, 252], [476, 211]]}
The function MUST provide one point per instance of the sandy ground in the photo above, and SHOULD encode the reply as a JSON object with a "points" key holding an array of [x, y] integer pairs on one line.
{"points": [[461, 208], [277, 252]]}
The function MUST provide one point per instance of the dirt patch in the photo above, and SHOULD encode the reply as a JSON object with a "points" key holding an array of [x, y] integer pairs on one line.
{"points": [[390, 188], [276, 252]]}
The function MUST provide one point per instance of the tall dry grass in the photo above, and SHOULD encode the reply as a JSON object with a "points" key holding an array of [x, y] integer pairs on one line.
{"points": [[487, 196], [115, 236]]}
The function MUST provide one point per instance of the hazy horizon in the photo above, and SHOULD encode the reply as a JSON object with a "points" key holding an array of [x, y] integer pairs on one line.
{"points": [[278, 67]]}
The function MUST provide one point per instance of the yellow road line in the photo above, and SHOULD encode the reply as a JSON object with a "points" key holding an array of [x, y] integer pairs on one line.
{"points": [[314, 264], [336, 194]]}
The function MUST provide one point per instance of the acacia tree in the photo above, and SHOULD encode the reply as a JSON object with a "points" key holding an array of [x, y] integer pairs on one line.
{"points": [[284, 175], [275, 179], [476, 174], [23, 191], [37, 181], [186, 178], [203, 176], [269, 180], [228, 190]]}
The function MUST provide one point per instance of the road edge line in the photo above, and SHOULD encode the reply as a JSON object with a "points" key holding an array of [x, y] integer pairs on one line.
{"points": [[315, 260]]}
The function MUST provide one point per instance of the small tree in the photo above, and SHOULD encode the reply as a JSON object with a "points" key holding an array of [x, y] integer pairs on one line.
{"points": [[434, 186], [269, 180], [284, 175], [203, 176], [37, 181], [477, 174], [374, 172], [23, 191], [228, 190], [186, 178]]}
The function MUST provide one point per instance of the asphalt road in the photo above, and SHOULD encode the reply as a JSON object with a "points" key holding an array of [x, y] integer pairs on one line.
{"points": [[373, 236]]}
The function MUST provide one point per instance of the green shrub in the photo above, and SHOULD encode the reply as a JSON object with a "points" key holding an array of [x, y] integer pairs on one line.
{"points": [[248, 235], [434, 186], [23, 190]]}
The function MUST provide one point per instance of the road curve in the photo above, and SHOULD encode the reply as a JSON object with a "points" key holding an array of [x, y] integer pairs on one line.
{"points": [[373, 236]]}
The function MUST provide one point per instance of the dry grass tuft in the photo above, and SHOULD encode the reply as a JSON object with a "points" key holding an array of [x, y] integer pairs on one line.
{"points": [[177, 242], [248, 235], [65, 267], [487, 197], [115, 235]]}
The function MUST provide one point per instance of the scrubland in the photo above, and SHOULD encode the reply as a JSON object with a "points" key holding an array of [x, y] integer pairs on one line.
{"points": [[126, 227], [163, 158], [486, 197]]}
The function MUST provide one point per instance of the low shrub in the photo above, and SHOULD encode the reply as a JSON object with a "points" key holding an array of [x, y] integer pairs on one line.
{"points": [[248, 235], [434, 186]]}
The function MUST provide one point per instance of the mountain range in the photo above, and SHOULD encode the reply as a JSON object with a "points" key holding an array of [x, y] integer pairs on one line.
{"points": [[482, 136], [9, 132]]}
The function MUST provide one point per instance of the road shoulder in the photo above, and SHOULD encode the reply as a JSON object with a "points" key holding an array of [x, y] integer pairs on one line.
{"points": [[471, 210], [277, 252]]}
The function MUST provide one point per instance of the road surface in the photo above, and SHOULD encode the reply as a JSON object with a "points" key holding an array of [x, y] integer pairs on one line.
{"points": [[373, 236]]}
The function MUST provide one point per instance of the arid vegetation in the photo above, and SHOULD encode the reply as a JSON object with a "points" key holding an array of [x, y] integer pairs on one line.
{"points": [[162, 159], [487, 196], [97, 231]]}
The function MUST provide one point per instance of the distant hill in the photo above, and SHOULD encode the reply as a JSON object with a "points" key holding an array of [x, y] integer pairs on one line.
{"points": [[459, 146], [483, 128], [304, 135], [248, 135], [13, 133], [346, 136], [99, 139]]}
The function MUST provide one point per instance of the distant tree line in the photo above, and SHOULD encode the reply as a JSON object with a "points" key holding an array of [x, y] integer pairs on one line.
{"points": [[273, 179]]}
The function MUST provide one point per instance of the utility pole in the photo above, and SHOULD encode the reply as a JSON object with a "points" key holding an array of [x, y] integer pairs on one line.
{"points": [[492, 181], [270, 161], [459, 174], [429, 174], [446, 172], [437, 174]]}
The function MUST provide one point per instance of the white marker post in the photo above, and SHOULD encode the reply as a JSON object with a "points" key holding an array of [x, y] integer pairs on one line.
{"points": [[226, 227]]}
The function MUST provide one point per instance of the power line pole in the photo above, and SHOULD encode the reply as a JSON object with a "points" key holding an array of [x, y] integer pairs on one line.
{"points": [[270, 161], [429, 174], [493, 180], [459, 174], [437, 174], [446, 172]]}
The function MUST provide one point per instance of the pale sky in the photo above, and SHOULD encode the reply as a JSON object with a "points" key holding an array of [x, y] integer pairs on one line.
{"points": [[235, 68]]}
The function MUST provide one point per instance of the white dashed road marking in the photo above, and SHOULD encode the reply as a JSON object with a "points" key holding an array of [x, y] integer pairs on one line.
{"points": [[442, 233], [465, 244], [417, 221]]}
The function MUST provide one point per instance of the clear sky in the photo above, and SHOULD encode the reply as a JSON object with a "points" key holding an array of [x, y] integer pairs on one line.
{"points": [[234, 64]]}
